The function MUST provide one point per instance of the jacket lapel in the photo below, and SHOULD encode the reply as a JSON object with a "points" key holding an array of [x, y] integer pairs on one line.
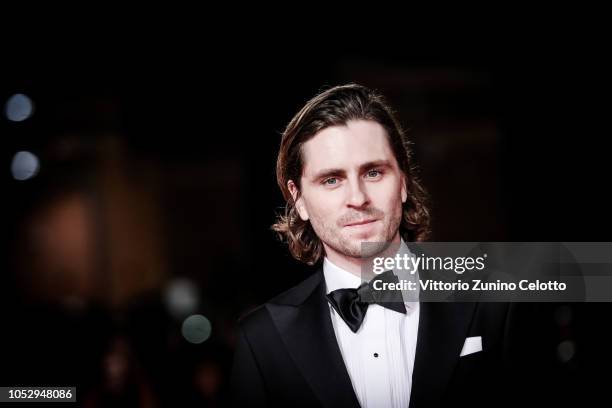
{"points": [[304, 324], [443, 327]]}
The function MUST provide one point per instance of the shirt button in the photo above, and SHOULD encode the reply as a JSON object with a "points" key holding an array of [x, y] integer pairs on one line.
{"points": [[376, 355]]}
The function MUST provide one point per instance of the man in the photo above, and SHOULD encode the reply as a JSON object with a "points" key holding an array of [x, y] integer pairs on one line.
{"points": [[345, 169]]}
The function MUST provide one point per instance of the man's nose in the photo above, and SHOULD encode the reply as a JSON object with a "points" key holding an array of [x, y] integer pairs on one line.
{"points": [[357, 194]]}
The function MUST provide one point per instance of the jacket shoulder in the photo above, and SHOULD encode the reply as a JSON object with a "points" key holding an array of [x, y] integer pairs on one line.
{"points": [[291, 297]]}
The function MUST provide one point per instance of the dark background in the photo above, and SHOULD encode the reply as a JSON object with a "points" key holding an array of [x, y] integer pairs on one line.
{"points": [[157, 163]]}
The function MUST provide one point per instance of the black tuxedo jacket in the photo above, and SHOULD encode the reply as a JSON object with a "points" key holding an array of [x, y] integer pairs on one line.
{"points": [[287, 354]]}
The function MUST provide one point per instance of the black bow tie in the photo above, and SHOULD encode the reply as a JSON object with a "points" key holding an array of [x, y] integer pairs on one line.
{"points": [[352, 304]]}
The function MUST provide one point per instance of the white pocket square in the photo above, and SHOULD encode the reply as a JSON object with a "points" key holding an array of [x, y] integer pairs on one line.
{"points": [[471, 345]]}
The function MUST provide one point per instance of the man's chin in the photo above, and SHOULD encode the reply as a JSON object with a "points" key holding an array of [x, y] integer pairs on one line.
{"points": [[367, 248], [358, 240]]}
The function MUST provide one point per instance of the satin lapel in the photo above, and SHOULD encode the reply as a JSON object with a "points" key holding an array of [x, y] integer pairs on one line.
{"points": [[442, 331], [308, 334]]}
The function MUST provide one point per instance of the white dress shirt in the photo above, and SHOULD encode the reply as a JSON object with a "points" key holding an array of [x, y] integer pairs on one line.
{"points": [[380, 356]]}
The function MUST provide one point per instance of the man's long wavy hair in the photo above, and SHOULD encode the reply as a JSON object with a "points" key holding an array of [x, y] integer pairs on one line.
{"points": [[334, 107]]}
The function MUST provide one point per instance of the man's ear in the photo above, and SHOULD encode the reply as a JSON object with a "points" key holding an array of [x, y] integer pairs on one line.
{"points": [[298, 199], [404, 189]]}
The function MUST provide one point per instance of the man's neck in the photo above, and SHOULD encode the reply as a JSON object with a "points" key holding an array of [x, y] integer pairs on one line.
{"points": [[352, 264]]}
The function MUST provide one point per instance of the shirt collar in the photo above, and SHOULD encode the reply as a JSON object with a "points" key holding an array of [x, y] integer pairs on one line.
{"points": [[338, 278]]}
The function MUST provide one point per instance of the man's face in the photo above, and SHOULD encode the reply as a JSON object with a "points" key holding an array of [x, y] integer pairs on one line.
{"points": [[352, 189]]}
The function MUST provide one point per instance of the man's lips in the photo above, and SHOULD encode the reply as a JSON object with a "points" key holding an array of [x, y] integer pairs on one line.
{"points": [[353, 224]]}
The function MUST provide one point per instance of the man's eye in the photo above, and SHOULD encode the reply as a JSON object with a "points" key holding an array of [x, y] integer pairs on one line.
{"points": [[374, 173], [330, 181]]}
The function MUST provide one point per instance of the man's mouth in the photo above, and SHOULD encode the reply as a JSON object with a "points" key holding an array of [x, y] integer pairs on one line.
{"points": [[363, 222]]}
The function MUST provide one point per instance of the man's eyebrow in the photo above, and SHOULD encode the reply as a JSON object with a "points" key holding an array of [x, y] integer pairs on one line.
{"points": [[328, 173], [375, 163], [341, 172]]}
